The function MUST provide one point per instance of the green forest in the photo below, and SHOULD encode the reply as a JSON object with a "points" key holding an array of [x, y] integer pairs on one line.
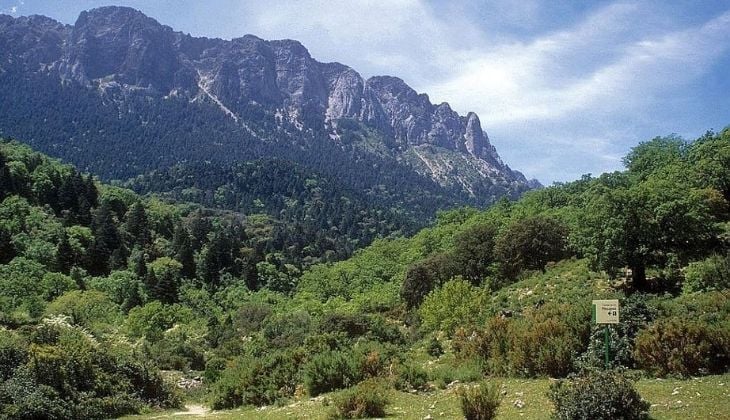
{"points": [[106, 294]]}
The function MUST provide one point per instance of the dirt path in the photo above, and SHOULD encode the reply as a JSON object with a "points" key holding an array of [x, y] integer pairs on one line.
{"points": [[193, 410]]}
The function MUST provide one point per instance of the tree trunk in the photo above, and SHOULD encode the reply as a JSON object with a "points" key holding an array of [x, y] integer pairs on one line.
{"points": [[638, 277]]}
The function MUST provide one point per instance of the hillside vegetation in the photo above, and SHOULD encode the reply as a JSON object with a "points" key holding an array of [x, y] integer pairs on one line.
{"points": [[102, 289]]}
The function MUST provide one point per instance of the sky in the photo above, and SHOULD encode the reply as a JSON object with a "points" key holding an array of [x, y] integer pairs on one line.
{"points": [[563, 88]]}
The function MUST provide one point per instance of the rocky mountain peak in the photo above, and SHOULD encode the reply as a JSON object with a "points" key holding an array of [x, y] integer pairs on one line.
{"points": [[123, 45], [121, 53]]}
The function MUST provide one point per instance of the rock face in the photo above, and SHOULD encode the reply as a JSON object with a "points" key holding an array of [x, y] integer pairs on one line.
{"points": [[119, 50]]}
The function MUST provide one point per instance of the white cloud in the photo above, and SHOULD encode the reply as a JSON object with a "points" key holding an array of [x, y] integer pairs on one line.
{"points": [[545, 101]]}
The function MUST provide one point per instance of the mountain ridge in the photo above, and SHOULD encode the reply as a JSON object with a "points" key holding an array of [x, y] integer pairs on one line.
{"points": [[264, 87]]}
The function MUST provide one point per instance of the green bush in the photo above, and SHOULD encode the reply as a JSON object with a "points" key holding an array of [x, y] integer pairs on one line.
{"points": [[367, 399], [603, 395], [491, 345], [410, 376], [330, 370], [434, 347], [544, 348], [684, 347], [479, 402], [635, 316], [64, 372], [712, 273], [257, 381]]}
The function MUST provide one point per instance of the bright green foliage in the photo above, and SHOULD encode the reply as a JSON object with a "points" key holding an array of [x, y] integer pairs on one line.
{"points": [[712, 273], [653, 156], [479, 402], [456, 303], [644, 225], [56, 284], [90, 309], [21, 285], [152, 319], [601, 395], [710, 156]]}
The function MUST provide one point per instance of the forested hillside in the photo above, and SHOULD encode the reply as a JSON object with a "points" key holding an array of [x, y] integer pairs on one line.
{"points": [[101, 288]]}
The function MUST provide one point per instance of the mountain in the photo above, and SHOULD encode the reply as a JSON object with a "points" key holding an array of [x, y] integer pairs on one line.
{"points": [[247, 98]]}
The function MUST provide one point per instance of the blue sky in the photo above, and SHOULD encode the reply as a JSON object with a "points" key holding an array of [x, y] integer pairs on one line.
{"points": [[563, 88]]}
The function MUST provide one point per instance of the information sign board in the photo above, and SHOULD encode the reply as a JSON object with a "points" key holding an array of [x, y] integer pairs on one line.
{"points": [[605, 311]]}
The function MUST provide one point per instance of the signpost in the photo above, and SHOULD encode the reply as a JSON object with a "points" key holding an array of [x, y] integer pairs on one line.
{"points": [[605, 312]]}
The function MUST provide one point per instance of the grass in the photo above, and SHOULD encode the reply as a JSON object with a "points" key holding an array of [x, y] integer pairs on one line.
{"points": [[697, 398]]}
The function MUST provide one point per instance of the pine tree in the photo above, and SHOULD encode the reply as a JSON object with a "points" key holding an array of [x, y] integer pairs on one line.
{"points": [[182, 246], [4, 178], [134, 299], [106, 241], [199, 229], [137, 225], [166, 289], [140, 265], [65, 255], [151, 283]]}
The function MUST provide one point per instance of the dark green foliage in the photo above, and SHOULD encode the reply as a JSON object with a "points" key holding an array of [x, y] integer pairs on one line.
{"points": [[479, 402], [410, 376], [474, 251], [424, 276], [137, 226], [65, 255], [530, 243], [330, 370], [62, 372], [256, 381], [184, 253], [604, 395], [106, 240], [366, 400], [434, 347], [635, 316]]}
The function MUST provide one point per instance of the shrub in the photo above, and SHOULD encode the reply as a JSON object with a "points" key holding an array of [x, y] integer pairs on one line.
{"points": [[491, 345], [712, 273], [635, 315], [213, 369], [479, 402], [601, 395], [367, 399], [543, 348], [456, 303], [410, 376], [684, 347], [434, 348], [89, 309], [256, 381], [330, 370]]}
